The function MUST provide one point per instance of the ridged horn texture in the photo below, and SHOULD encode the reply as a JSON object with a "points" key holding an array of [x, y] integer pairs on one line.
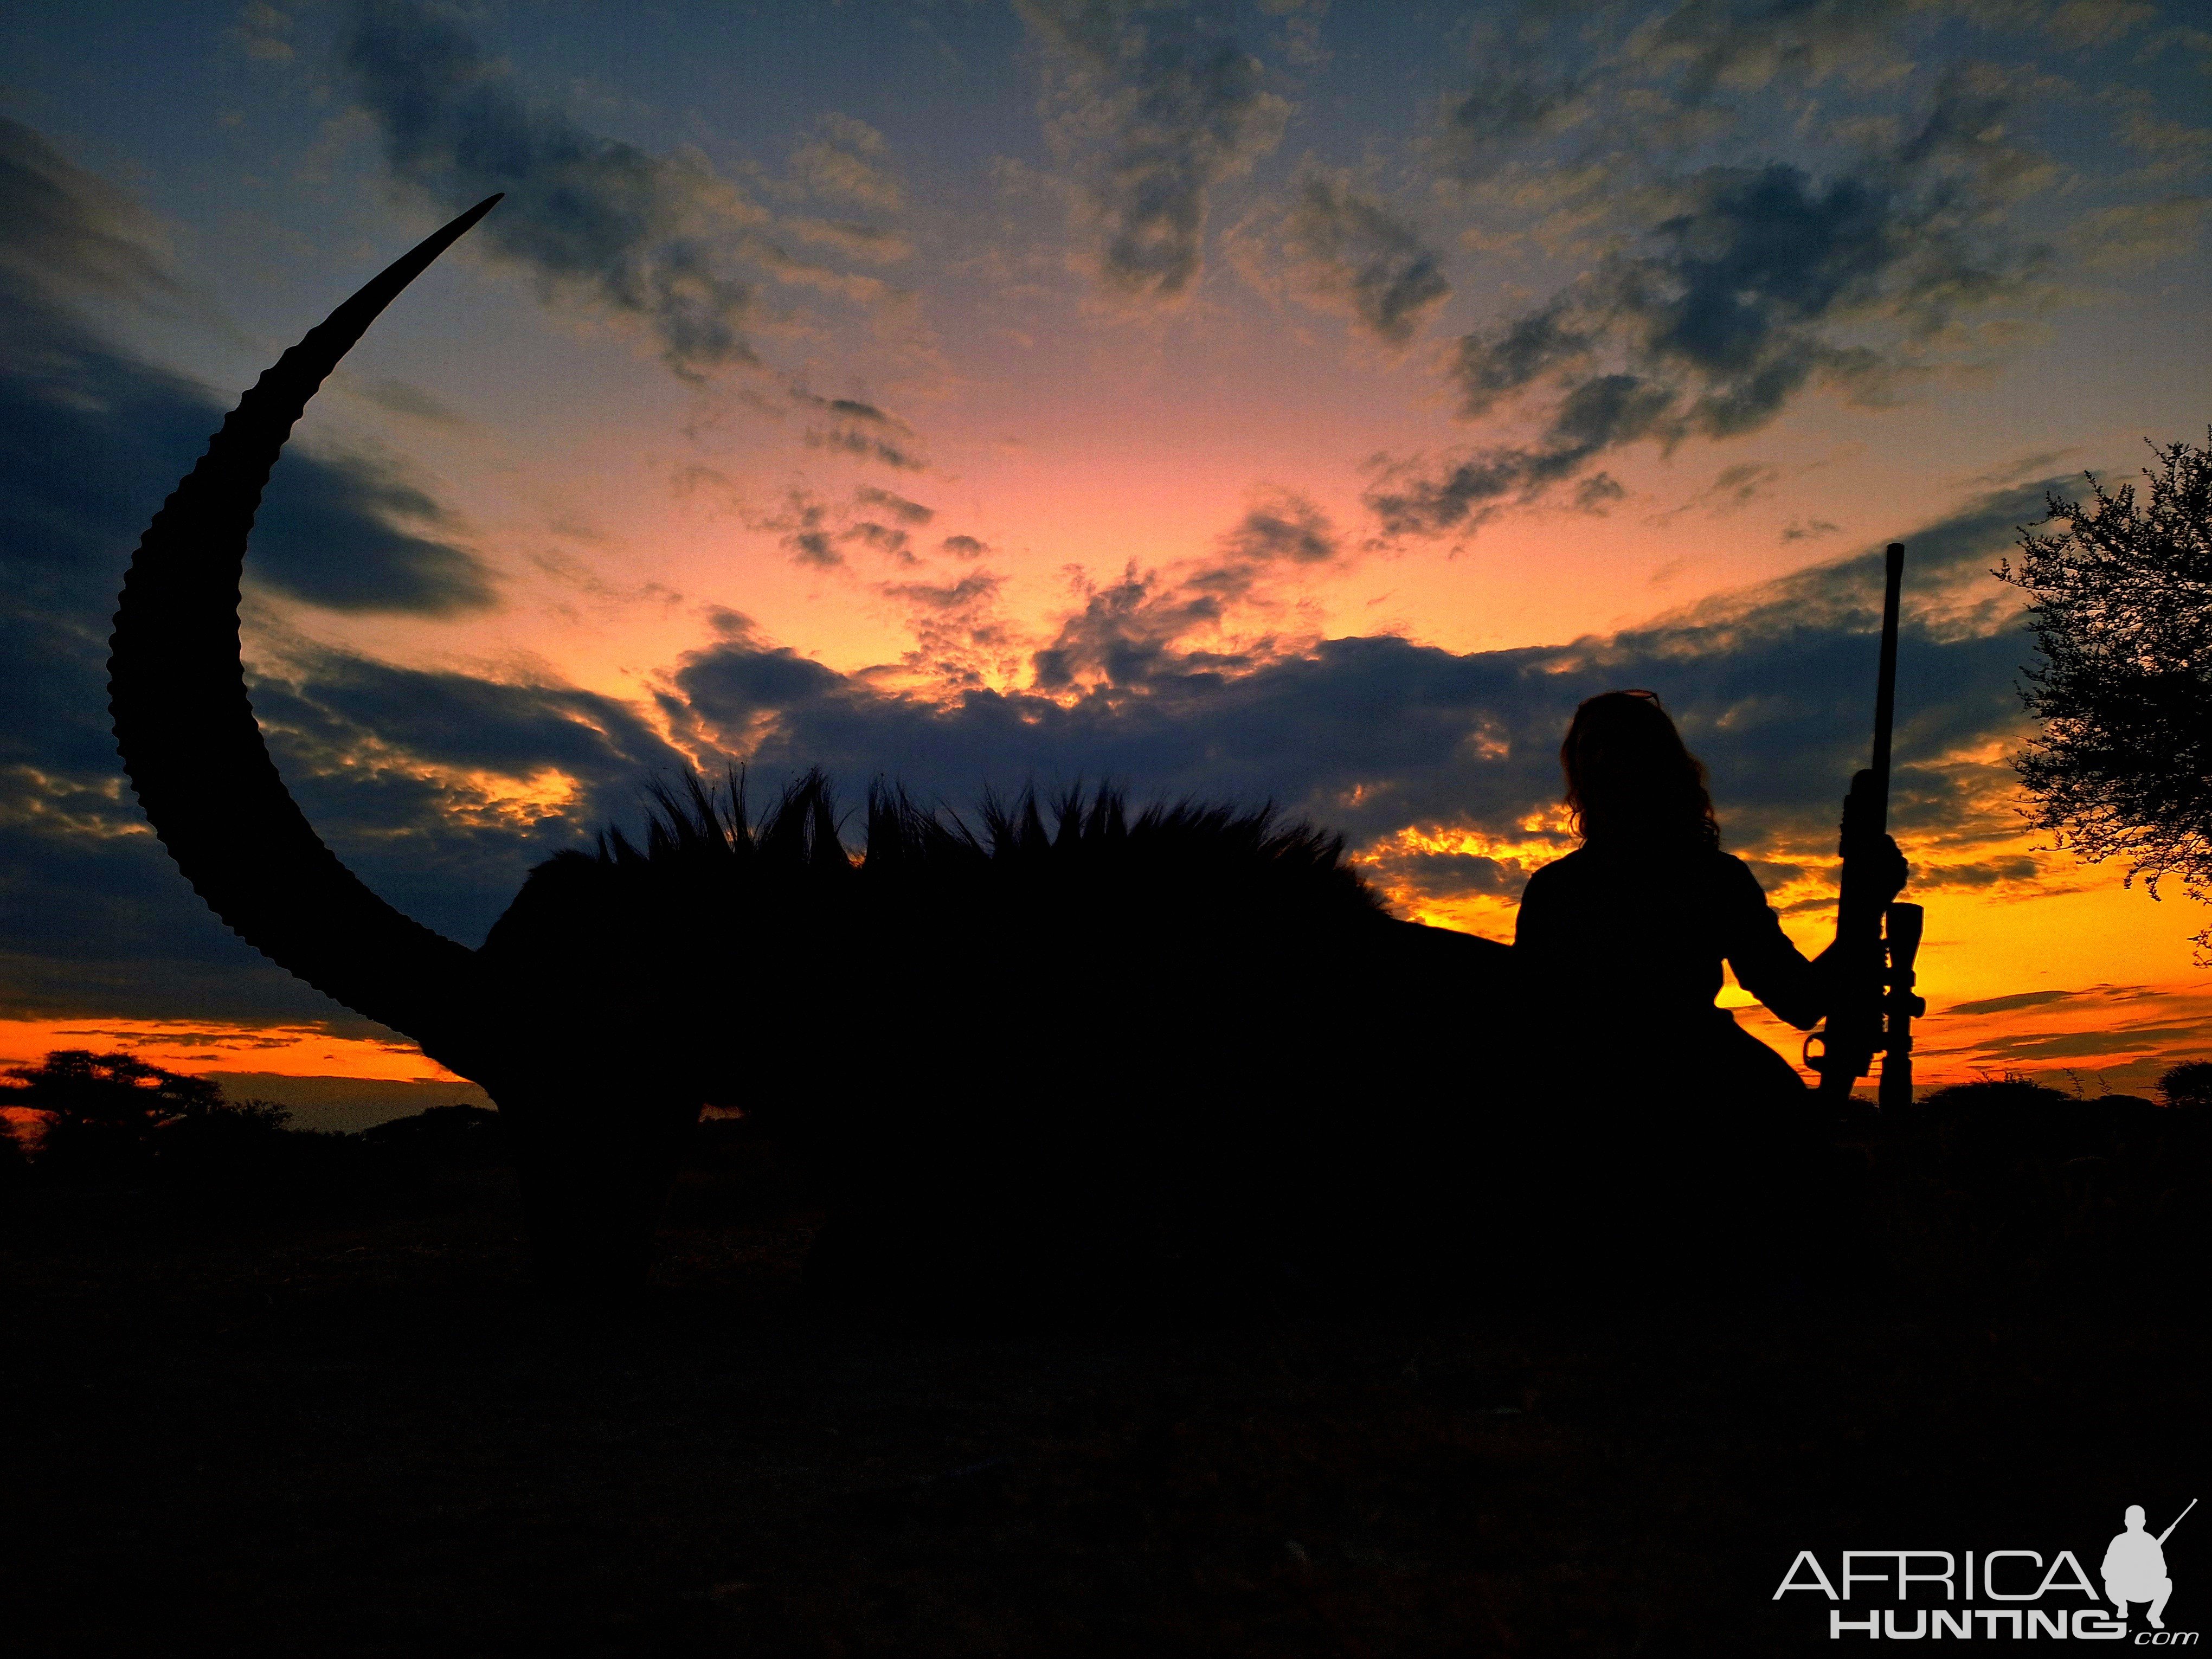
{"points": [[194, 751]]}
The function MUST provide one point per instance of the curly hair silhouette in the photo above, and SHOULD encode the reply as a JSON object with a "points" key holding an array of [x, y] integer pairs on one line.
{"points": [[1007, 1051], [1629, 775]]}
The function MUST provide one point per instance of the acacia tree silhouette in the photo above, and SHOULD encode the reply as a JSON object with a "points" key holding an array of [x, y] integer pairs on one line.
{"points": [[105, 1109], [998, 1046], [77, 1085], [2123, 618]]}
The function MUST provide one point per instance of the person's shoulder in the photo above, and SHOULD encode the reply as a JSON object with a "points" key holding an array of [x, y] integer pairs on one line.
{"points": [[1565, 867], [1733, 879]]}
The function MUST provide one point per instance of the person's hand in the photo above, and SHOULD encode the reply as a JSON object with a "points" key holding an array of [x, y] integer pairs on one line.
{"points": [[1884, 868]]}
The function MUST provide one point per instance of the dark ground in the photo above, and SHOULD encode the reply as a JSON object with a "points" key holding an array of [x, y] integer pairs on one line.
{"points": [[360, 1433]]}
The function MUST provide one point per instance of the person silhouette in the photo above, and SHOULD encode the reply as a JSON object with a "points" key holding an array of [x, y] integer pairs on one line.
{"points": [[2134, 1568], [1636, 921], [1675, 1138]]}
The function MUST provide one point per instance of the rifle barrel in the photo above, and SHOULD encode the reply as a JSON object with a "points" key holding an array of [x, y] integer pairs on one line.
{"points": [[2176, 1521], [1855, 1030], [1885, 687]]}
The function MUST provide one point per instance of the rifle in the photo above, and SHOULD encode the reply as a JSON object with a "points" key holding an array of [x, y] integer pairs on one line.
{"points": [[1876, 945], [2177, 1520]]}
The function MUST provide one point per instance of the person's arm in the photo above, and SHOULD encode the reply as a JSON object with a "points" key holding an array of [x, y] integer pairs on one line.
{"points": [[1767, 964]]}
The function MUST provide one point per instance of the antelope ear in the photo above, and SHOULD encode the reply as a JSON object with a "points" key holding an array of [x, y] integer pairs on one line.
{"points": [[194, 752]]}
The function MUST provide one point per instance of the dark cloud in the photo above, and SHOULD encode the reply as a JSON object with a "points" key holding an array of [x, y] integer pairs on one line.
{"points": [[1733, 489], [887, 539], [803, 526], [963, 547], [1744, 44], [815, 532], [1719, 295], [1450, 875], [401, 397], [847, 160], [906, 512], [1597, 494], [1129, 632], [591, 216], [2175, 1041], [1742, 283], [334, 707], [1738, 486], [331, 532], [1606, 92], [2136, 234], [851, 426], [92, 440], [1282, 527], [2136, 1032], [1346, 251], [961, 595], [1513, 94], [1495, 362], [2008, 1005], [663, 239], [1772, 686], [1372, 734], [65, 232], [1807, 530], [1152, 109], [1414, 497]]}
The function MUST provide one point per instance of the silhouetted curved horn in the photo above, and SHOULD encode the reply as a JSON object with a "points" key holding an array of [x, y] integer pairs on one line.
{"points": [[194, 751]]}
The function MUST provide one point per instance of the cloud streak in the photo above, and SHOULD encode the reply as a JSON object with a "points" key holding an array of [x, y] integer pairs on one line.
{"points": [[591, 217], [1152, 109], [1340, 250], [849, 426]]}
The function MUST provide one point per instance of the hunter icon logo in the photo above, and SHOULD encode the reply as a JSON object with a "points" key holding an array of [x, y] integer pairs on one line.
{"points": [[2135, 1566]]}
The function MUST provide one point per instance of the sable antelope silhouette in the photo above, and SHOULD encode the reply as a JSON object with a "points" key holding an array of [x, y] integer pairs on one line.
{"points": [[1006, 1040]]}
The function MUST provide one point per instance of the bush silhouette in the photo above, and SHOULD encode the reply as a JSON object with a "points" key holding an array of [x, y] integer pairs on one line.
{"points": [[187, 1157], [111, 1112], [2189, 1083]]}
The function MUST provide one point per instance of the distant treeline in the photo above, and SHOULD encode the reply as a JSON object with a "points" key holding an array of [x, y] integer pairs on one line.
{"points": [[1999, 1188], [177, 1145]]}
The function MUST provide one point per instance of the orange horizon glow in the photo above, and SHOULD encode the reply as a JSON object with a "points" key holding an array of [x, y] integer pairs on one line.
{"points": [[197, 1047]]}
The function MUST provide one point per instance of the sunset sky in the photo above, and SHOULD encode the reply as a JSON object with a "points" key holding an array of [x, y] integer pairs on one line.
{"points": [[1269, 401]]}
